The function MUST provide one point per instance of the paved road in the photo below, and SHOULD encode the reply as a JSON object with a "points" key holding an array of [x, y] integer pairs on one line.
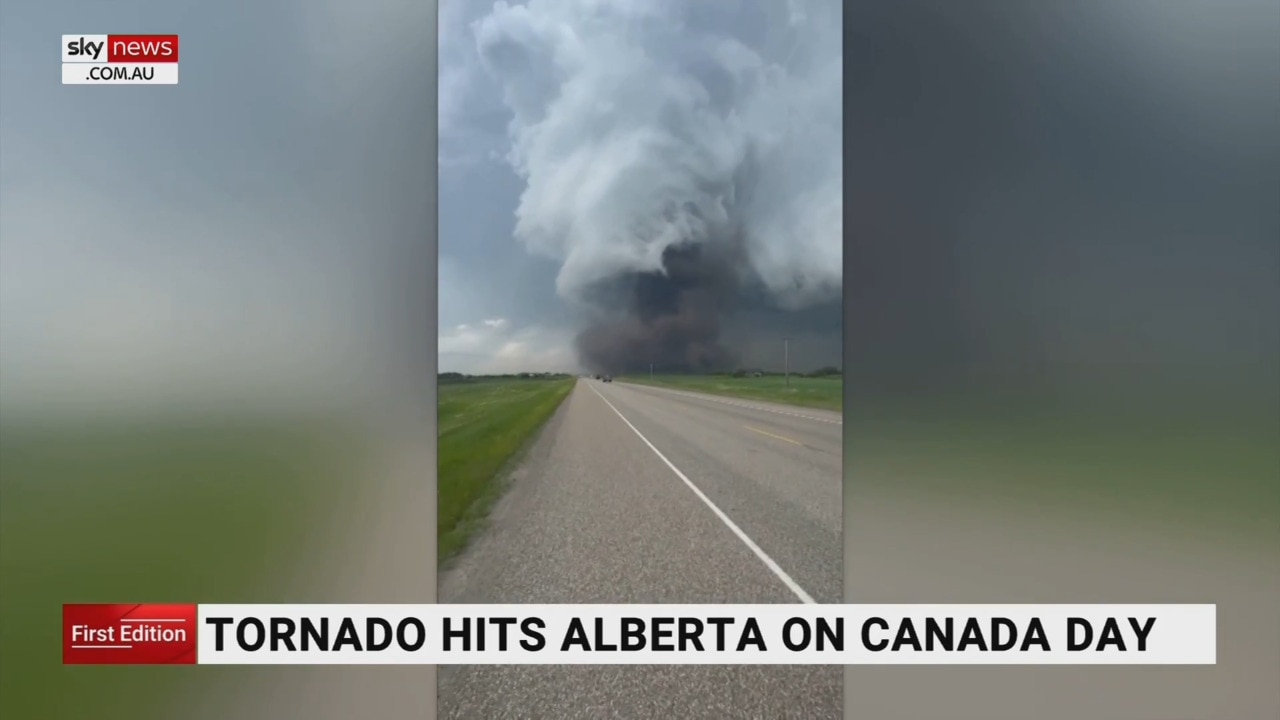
{"points": [[643, 495]]}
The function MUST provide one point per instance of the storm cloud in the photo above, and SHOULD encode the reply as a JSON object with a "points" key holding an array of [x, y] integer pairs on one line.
{"points": [[681, 163]]}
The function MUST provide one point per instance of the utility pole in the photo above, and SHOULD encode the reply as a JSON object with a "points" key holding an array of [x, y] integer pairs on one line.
{"points": [[786, 361], [650, 371]]}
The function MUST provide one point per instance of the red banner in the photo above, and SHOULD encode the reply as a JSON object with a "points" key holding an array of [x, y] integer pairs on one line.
{"points": [[128, 634]]}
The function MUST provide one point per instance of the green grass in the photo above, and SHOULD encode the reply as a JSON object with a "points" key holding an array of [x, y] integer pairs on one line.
{"points": [[484, 424], [1211, 476], [816, 392], [179, 513]]}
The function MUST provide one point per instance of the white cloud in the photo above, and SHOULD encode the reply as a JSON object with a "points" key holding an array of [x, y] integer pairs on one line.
{"points": [[637, 128], [464, 91], [494, 346], [630, 127]]}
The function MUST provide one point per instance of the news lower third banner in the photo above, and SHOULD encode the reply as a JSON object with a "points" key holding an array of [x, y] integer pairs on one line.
{"points": [[810, 634]]}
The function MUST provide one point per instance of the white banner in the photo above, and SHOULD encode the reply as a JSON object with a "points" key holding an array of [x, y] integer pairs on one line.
{"points": [[707, 635], [120, 74]]}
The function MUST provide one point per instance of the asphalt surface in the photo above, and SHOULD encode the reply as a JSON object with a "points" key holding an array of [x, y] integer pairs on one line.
{"points": [[634, 494]]}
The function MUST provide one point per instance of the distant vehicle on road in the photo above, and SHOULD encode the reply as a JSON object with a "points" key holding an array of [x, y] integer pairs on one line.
{"points": [[608, 378]]}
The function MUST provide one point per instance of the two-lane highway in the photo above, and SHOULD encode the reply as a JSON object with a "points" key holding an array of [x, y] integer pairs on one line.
{"points": [[636, 494]]}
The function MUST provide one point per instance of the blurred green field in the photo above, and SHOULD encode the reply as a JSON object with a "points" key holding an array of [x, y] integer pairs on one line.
{"points": [[817, 392], [484, 423], [1206, 473], [175, 513]]}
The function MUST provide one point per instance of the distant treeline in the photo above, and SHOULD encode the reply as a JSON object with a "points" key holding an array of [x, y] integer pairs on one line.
{"points": [[446, 378], [829, 371], [823, 372]]}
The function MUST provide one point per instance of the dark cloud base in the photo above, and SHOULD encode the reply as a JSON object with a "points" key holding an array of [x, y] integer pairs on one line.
{"points": [[671, 318], [700, 315]]}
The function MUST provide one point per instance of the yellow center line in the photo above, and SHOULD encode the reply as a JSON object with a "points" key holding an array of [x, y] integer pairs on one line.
{"points": [[784, 439]]}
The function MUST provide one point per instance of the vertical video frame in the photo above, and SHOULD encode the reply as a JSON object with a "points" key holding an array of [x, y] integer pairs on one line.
{"points": [[640, 385]]}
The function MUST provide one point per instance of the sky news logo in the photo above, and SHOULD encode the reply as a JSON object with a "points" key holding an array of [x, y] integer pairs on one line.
{"points": [[119, 59]]}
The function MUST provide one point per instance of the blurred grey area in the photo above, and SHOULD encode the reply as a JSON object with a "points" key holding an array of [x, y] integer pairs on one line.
{"points": [[217, 353], [1061, 342]]}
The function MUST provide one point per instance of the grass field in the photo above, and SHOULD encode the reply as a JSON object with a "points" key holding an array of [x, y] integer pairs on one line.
{"points": [[484, 423], [816, 392], [1215, 477], [180, 513]]}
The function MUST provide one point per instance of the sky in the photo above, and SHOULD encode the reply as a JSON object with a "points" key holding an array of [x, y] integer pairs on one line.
{"points": [[1057, 200], [225, 240], [258, 230], [580, 139]]}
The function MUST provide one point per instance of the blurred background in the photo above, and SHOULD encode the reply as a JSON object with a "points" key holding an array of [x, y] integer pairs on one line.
{"points": [[217, 363], [217, 354], [1062, 271]]}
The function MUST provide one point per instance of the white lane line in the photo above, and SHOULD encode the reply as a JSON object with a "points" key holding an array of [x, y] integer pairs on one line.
{"points": [[751, 545], [701, 396]]}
